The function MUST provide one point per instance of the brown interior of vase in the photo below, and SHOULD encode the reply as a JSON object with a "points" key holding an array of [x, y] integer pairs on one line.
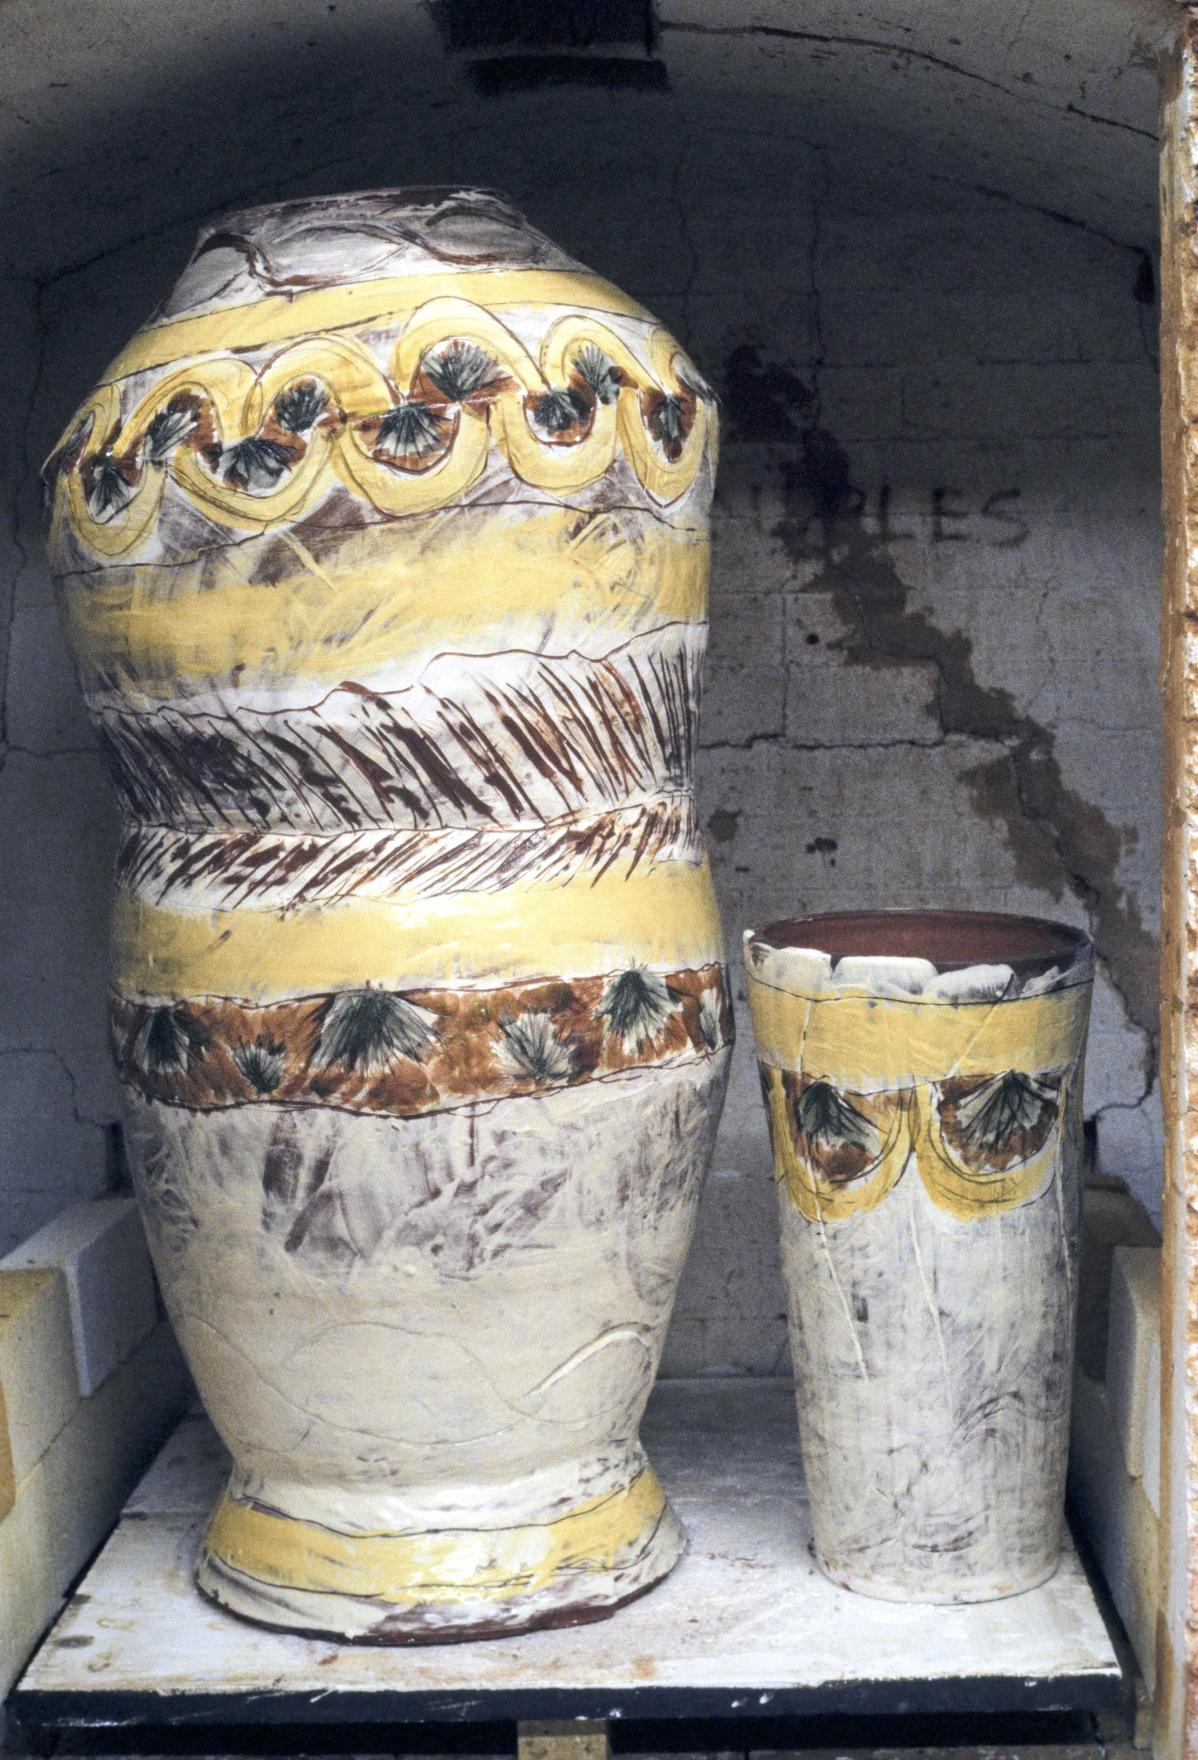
{"points": [[945, 938]]}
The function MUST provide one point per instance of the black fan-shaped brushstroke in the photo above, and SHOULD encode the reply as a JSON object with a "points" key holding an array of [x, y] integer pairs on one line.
{"points": [[636, 1006], [667, 421], [533, 1049], [301, 406], [110, 489], [994, 1114], [826, 1117], [597, 371], [461, 370], [162, 1046], [262, 1064], [370, 1030], [256, 463], [168, 429], [556, 410], [412, 430]]}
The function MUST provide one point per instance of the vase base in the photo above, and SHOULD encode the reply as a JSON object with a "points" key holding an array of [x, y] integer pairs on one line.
{"points": [[442, 1586], [964, 1591]]}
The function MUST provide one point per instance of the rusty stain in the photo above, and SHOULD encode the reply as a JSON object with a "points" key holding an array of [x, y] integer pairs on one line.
{"points": [[1176, 1697], [723, 824], [1060, 842], [761, 398]]}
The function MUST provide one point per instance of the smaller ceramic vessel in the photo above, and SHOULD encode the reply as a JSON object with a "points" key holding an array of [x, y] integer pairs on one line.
{"points": [[922, 1074]]}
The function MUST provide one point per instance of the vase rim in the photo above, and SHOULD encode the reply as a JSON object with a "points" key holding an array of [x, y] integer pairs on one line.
{"points": [[950, 940], [401, 196], [312, 243]]}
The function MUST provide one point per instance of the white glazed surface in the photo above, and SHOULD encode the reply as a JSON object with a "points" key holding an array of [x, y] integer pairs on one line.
{"points": [[931, 1329], [382, 550]]}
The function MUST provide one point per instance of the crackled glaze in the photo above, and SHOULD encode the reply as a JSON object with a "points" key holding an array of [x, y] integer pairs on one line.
{"points": [[925, 1119], [382, 552]]}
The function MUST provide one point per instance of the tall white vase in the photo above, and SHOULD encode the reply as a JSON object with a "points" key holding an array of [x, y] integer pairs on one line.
{"points": [[382, 552]]}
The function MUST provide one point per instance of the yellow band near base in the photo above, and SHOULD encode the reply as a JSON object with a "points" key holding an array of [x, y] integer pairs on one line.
{"points": [[450, 1565]]}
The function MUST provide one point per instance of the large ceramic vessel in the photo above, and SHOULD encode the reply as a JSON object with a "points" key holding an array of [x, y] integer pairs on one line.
{"points": [[382, 552], [922, 1076]]}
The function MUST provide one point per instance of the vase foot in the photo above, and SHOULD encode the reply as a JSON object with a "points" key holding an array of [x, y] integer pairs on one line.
{"points": [[919, 1589], [441, 1585]]}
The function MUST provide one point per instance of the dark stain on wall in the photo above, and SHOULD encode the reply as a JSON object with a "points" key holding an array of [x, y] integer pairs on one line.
{"points": [[722, 824], [761, 400], [1060, 842], [824, 846]]}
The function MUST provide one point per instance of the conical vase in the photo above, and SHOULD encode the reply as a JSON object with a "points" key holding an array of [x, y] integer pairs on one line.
{"points": [[922, 1077]]}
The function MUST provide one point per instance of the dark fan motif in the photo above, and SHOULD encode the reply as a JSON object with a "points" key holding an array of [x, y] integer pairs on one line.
{"points": [[64, 456], [667, 422], [710, 1012], [162, 1046], [262, 1064], [411, 430], [256, 463], [636, 1006], [1010, 1106], [461, 370], [533, 1050], [169, 428], [558, 410], [828, 1120], [699, 389], [68, 452], [370, 1030], [111, 490], [301, 406], [596, 370]]}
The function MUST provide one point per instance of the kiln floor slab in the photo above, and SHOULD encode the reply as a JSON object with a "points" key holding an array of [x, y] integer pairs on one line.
{"points": [[745, 1626]]}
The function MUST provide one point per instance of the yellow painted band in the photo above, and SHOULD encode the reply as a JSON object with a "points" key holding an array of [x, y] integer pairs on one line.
{"points": [[663, 917], [279, 317], [496, 581], [451, 1565], [868, 1044]]}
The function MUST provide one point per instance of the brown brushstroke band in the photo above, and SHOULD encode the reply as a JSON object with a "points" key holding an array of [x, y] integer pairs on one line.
{"points": [[409, 1053]]}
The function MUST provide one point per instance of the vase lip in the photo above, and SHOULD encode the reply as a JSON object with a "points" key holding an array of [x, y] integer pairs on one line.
{"points": [[949, 940], [397, 197], [323, 242]]}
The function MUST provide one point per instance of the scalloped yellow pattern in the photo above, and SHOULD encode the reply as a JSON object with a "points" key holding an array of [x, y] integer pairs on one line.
{"points": [[237, 399]]}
